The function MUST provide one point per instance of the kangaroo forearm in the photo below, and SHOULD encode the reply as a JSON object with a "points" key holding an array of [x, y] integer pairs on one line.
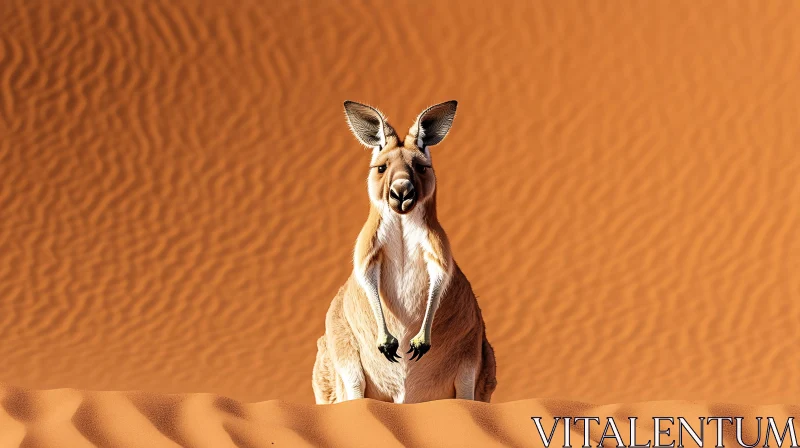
{"points": [[430, 311], [439, 280], [369, 280]]}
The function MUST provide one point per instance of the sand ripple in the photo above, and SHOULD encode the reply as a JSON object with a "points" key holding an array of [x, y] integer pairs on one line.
{"points": [[68, 417]]}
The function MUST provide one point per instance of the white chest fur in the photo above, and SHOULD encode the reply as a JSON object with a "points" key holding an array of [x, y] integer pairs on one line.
{"points": [[404, 275]]}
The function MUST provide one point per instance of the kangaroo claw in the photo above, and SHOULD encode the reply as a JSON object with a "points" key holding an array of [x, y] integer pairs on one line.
{"points": [[389, 349], [419, 349]]}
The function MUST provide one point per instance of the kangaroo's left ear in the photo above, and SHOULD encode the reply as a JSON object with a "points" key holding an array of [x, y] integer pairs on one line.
{"points": [[433, 124]]}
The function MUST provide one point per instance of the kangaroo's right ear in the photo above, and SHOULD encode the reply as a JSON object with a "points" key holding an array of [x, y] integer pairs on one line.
{"points": [[367, 124]]}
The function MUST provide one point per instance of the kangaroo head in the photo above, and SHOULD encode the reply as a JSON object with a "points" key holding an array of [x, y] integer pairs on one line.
{"points": [[401, 172]]}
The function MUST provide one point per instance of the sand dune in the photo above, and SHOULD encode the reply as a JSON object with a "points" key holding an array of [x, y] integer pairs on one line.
{"points": [[73, 418], [180, 194]]}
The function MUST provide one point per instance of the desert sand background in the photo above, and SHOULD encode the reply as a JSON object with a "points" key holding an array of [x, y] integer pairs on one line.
{"points": [[179, 191]]}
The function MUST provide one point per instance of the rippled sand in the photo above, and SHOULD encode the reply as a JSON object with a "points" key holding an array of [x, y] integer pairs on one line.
{"points": [[74, 418]]}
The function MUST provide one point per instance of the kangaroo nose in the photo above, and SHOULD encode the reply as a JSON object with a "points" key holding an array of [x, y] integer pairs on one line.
{"points": [[402, 190], [402, 195]]}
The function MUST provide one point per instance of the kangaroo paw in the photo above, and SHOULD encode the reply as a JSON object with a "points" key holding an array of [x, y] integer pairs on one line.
{"points": [[420, 346], [388, 346]]}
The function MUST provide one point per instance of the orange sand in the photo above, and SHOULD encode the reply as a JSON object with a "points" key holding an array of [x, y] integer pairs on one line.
{"points": [[179, 193], [72, 418]]}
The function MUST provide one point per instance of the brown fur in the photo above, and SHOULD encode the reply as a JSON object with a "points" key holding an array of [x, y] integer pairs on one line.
{"points": [[348, 357]]}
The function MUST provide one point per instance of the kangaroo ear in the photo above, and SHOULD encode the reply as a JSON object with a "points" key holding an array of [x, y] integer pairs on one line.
{"points": [[433, 124], [367, 124]]}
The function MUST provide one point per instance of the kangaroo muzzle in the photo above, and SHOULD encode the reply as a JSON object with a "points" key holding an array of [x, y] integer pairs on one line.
{"points": [[402, 196]]}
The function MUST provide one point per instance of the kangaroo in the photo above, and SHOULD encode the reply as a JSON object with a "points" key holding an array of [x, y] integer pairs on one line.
{"points": [[403, 276]]}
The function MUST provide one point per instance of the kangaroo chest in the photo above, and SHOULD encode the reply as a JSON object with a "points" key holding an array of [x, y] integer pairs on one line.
{"points": [[404, 275], [404, 283]]}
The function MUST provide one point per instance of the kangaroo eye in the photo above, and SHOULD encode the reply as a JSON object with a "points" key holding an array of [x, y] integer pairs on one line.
{"points": [[382, 168], [421, 168]]}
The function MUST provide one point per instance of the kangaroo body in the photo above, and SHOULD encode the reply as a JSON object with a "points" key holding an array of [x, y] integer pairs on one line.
{"points": [[403, 276]]}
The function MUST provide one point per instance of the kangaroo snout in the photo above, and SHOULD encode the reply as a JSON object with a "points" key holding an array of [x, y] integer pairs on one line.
{"points": [[402, 196]]}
